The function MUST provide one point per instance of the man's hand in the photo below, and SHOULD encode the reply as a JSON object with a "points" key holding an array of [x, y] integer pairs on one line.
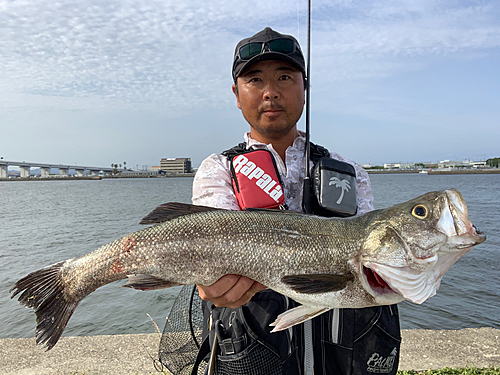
{"points": [[230, 291]]}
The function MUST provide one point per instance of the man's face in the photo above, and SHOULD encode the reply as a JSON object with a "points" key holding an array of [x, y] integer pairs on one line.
{"points": [[271, 97]]}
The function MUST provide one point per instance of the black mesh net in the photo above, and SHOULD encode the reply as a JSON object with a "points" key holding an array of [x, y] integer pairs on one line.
{"points": [[181, 337], [256, 360]]}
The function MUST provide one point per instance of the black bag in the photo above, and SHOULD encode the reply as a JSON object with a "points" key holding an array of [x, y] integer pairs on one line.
{"points": [[334, 188], [245, 344]]}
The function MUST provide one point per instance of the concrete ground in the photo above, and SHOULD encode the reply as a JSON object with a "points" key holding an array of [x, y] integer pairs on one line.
{"points": [[133, 354]]}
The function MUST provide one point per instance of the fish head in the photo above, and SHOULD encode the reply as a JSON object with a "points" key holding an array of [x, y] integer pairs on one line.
{"points": [[409, 247]]}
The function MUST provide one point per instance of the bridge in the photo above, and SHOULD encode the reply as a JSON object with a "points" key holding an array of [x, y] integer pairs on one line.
{"points": [[25, 168]]}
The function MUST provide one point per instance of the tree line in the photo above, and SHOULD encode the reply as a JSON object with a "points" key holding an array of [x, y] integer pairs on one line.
{"points": [[493, 162], [116, 166]]}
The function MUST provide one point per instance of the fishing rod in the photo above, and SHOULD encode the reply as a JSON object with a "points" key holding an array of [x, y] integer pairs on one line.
{"points": [[308, 92], [306, 200], [317, 197]]}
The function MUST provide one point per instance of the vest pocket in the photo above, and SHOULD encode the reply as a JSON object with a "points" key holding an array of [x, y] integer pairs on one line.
{"points": [[376, 346], [256, 359], [337, 359], [245, 344], [365, 342]]}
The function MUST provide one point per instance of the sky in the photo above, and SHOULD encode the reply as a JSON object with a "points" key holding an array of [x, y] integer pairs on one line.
{"points": [[100, 82]]}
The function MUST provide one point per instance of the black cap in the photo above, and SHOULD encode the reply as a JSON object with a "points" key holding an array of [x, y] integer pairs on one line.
{"points": [[294, 58]]}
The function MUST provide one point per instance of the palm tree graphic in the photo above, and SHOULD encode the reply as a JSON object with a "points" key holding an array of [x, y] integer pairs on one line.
{"points": [[343, 184]]}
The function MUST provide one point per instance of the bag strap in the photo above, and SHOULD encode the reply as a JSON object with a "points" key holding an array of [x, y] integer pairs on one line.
{"points": [[317, 151], [202, 353], [240, 148]]}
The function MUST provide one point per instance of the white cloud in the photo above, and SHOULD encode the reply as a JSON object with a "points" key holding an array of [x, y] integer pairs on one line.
{"points": [[171, 60]]}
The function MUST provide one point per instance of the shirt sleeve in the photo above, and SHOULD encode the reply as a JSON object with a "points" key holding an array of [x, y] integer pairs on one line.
{"points": [[212, 184], [364, 189], [365, 194]]}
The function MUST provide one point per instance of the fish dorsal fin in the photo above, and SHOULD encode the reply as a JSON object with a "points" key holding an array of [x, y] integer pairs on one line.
{"points": [[317, 283], [256, 209], [276, 211], [172, 210]]}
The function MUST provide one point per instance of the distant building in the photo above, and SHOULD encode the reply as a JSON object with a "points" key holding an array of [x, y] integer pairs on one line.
{"points": [[399, 165], [428, 164], [138, 173], [478, 164], [155, 168], [452, 164], [176, 165], [391, 165]]}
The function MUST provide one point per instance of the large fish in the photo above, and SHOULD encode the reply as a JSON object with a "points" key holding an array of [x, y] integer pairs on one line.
{"points": [[381, 257]]}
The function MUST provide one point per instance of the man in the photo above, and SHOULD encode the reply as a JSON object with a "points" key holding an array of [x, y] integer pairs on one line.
{"points": [[269, 86]]}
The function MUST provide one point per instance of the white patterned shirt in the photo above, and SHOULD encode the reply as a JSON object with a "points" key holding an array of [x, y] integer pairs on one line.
{"points": [[212, 184]]}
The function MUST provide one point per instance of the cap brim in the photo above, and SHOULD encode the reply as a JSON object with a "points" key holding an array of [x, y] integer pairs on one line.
{"points": [[269, 56]]}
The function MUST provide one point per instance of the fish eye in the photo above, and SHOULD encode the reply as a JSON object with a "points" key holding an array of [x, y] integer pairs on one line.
{"points": [[420, 211]]}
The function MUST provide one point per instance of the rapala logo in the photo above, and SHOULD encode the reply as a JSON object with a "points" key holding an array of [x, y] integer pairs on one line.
{"points": [[247, 168], [379, 364]]}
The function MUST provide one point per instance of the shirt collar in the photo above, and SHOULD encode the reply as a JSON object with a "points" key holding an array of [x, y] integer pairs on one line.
{"points": [[298, 143]]}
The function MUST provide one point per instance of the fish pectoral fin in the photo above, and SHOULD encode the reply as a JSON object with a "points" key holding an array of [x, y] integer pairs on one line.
{"points": [[148, 282], [172, 210], [317, 283], [295, 316]]}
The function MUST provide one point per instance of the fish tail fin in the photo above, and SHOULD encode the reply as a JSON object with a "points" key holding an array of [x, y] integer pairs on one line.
{"points": [[43, 291]]}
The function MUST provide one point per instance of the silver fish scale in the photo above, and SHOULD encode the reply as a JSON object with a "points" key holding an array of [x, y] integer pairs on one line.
{"points": [[260, 245], [201, 248]]}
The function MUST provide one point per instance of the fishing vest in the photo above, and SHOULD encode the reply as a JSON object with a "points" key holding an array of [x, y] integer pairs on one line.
{"points": [[257, 183], [341, 341]]}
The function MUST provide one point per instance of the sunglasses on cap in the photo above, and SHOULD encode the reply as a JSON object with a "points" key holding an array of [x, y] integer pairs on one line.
{"points": [[282, 45]]}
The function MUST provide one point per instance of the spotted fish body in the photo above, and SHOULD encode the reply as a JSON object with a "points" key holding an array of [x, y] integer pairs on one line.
{"points": [[381, 257]]}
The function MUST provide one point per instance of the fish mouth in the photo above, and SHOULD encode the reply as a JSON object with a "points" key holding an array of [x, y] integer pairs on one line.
{"points": [[374, 280], [407, 283], [378, 285], [456, 224]]}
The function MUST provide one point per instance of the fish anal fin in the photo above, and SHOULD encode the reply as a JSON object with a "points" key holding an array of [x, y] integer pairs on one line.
{"points": [[317, 283], [173, 210], [295, 316], [148, 282]]}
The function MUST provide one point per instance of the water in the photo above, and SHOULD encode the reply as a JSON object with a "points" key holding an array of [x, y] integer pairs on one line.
{"points": [[43, 222]]}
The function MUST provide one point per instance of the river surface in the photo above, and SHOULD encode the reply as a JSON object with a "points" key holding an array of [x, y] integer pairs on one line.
{"points": [[43, 222]]}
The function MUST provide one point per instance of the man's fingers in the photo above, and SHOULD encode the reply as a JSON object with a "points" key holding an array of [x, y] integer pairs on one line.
{"points": [[219, 288], [230, 291], [256, 287], [239, 294], [246, 297]]}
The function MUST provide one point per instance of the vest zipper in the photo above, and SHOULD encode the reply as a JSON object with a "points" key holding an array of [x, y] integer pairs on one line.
{"points": [[308, 348], [335, 325]]}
